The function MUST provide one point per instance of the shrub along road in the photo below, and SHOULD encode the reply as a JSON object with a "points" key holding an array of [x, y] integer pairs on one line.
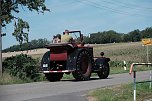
{"points": [[65, 90]]}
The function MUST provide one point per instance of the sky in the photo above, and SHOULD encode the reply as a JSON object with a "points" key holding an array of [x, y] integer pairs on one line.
{"points": [[89, 16]]}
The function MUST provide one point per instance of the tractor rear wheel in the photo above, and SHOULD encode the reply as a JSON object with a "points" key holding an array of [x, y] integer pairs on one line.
{"points": [[84, 65], [53, 76], [104, 72]]}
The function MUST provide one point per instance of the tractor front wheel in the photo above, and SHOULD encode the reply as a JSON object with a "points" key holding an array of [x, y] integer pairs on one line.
{"points": [[104, 72]]}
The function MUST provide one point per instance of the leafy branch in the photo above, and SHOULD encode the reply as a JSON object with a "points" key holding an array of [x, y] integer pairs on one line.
{"points": [[21, 27]]}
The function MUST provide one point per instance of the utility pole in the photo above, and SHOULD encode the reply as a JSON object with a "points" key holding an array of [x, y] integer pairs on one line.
{"points": [[0, 50], [0, 40]]}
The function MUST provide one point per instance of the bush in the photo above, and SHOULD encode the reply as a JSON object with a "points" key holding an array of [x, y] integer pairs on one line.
{"points": [[22, 66]]}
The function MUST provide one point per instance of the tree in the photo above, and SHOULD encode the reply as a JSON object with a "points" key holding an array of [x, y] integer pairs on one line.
{"points": [[105, 37], [21, 27], [135, 35], [86, 39], [126, 38], [147, 33]]}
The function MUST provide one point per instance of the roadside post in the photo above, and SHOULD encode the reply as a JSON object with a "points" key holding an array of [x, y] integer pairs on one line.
{"points": [[125, 65], [134, 79], [0, 43], [133, 69], [134, 85], [147, 42]]}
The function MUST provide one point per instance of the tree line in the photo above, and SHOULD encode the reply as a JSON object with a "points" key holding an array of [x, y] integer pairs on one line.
{"points": [[33, 44], [112, 36]]}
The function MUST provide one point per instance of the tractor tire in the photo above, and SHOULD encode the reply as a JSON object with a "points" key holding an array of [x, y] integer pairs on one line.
{"points": [[84, 65], [104, 72], [53, 76]]}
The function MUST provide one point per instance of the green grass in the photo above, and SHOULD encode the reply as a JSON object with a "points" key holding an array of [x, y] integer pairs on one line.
{"points": [[121, 93], [68, 77], [113, 70], [7, 79], [118, 70]]}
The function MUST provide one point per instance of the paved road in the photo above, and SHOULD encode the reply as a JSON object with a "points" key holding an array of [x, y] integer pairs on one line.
{"points": [[65, 90]]}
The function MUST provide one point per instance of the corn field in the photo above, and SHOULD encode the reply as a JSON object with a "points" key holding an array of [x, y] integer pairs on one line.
{"points": [[130, 52]]}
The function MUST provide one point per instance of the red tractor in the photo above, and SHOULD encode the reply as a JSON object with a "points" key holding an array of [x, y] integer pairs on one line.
{"points": [[75, 58]]}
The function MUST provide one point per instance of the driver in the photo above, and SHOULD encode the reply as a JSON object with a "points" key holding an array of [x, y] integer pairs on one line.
{"points": [[66, 37]]}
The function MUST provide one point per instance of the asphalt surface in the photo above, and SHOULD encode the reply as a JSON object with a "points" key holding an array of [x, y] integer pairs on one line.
{"points": [[64, 90]]}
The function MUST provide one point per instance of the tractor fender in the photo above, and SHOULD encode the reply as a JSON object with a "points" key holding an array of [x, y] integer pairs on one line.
{"points": [[101, 62], [45, 62]]}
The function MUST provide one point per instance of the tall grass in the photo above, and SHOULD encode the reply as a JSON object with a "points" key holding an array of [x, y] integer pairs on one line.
{"points": [[122, 93], [8, 79], [134, 51]]}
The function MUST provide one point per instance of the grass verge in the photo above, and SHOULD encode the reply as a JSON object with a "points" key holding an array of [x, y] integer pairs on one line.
{"points": [[121, 93], [113, 70], [7, 79]]}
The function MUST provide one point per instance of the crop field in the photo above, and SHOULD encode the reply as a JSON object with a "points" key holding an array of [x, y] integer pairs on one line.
{"points": [[117, 52], [124, 51], [133, 51]]}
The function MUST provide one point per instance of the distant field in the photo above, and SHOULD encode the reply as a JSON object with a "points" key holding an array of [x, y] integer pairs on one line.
{"points": [[116, 51], [124, 51], [36, 53]]}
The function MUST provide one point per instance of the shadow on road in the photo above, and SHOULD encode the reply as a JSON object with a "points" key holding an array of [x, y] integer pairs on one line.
{"points": [[91, 79]]}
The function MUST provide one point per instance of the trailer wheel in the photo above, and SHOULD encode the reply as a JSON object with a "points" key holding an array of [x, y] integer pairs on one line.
{"points": [[84, 64], [104, 72], [53, 76]]}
